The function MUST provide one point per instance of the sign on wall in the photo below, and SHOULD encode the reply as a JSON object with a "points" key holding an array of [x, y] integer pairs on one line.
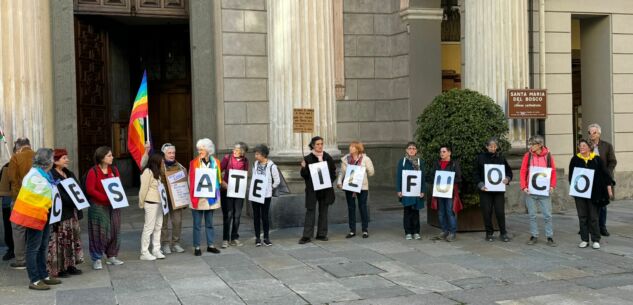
{"points": [[527, 103]]}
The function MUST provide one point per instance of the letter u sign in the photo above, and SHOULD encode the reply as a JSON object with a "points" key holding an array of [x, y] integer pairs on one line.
{"points": [[443, 184]]}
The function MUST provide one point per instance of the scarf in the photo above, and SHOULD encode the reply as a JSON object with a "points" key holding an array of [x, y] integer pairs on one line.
{"points": [[169, 163], [318, 155], [34, 200], [201, 163], [351, 161], [414, 161], [587, 159]]}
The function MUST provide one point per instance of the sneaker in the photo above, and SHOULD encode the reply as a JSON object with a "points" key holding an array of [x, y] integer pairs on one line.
{"points": [[18, 266], [451, 237], [8, 256], [417, 236], [39, 285], [442, 236], [74, 271], [225, 244], [236, 243], [583, 244], [408, 237], [365, 235], [490, 238], [197, 252], [114, 261], [267, 243], [258, 242], [178, 249], [505, 238], [213, 250], [551, 242], [532, 240], [97, 265], [304, 240], [322, 238], [350, 235], [147, 257], [157, 254], [51, 281], [595, 245], [165, 249]]}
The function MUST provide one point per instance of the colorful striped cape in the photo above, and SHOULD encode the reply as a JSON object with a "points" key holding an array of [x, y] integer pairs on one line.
{"points": [[34, 200], [195, 164]]}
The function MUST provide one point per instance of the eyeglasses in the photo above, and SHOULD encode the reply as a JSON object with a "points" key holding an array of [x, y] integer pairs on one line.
{"points": [[592, 133]]}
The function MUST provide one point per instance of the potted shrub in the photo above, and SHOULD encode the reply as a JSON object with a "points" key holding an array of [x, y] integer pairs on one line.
{"points": [[463, 119]]}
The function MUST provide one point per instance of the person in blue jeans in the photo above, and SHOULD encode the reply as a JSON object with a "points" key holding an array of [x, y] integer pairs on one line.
{"points": [[446, 206]]}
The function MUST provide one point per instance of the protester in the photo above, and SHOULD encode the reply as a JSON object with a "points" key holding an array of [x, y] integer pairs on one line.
{"points": [[203, 207], [170, 165], [538, 156], [31, 210], [411, 204], [601, 191], [492, 200], [65, 251], [448, 207], [324, 197], [6, 199], [232, 207], [104, 222], [19, 165], [261, 211], [357, 157], [149, 200], [605, 151]]}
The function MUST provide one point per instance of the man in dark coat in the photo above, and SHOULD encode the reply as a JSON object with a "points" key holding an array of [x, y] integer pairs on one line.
{"points": [[606, 152]]}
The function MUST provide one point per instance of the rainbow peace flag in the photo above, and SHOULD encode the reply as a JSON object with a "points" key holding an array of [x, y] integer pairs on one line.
{"points": [[33, 202], [138, 129]]}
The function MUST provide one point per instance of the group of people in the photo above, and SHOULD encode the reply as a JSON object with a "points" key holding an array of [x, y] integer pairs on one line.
{"points": [[48, 252]]}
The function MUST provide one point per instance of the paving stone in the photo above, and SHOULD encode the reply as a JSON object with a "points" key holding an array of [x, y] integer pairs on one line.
{"points": [[92, 296], [382, 292], [277, 262], [324, 292], [363, 254], [133, 269], [209, 298], [225, 260], [261, 289], [607, 280], [139, 282], [365, 282], [487, 295], [440, 249], [198, 285], [571, 298], [477, 282], [421, 283], [351, 269], [301, 275], [448, 272], [416, 299], [563, 274], [291, 299], [242, 273], [388, 247], [157, 296], [310, 253], [184, 266]]}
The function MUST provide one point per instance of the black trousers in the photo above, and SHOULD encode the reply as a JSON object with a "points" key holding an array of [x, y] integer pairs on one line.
{"points": [[308, 225], [8, 232], [411, 220], [261, 217], [587, 219], [493, 202], [231, 214]]}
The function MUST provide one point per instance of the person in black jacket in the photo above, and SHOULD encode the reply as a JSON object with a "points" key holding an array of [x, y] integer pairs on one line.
{"points": [[601, 191], [492, 201], [324, 197], [64, 247]]}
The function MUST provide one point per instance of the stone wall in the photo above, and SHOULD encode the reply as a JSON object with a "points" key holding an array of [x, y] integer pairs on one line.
{"points": [[245, 72]]}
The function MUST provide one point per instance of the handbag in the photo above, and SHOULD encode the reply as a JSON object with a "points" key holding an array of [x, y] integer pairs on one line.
{"points": [[282, 188]]}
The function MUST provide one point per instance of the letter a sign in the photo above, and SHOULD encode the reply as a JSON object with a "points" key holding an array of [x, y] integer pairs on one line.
{"points": [[320, 175], [539, 181], [206, 179], [443, 184], [581, 182]]}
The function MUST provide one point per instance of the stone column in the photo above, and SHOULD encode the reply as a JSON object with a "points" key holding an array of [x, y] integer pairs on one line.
{"points": [[26, 105], [496, 52], [301, 72]]}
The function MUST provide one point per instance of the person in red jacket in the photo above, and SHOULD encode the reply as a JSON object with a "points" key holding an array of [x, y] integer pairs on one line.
{"points": [[104, 222], [538, 156]]}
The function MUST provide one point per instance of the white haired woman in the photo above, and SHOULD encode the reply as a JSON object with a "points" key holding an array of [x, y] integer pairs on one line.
{"points": [[203, 206]]}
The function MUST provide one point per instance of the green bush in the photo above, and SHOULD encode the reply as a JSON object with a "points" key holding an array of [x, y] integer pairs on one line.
{"points": [[463, 119]]}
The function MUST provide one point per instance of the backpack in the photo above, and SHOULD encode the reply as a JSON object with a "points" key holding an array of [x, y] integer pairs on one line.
{"points": [[547, 157]]}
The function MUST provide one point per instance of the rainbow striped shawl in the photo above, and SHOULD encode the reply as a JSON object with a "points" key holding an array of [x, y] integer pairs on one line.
{"points": [[34, 200], [195, 164]]}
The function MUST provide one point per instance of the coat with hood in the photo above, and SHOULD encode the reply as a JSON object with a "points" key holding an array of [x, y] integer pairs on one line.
{"points": [[537, 160]]}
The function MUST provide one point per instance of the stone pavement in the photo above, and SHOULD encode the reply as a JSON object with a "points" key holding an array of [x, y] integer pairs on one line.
{"points": [[383, 269]]}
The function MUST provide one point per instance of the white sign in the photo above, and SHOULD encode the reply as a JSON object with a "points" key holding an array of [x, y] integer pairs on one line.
{"points": [[204, 186], [539, 180], [75, 193], [493, 177], [320, 174], [180, 194], [115, 192], [259, 188], [56, 209], [163, 198], [411, 183], [443, 184], [354, 176], [236, 187], [581, 182], [177, 176]]}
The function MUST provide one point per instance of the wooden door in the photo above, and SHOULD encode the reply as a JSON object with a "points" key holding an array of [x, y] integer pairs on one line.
{"points": [[93, 102]]}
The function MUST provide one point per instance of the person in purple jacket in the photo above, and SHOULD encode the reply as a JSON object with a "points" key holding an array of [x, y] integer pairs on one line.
{"points": [[232, 207]]}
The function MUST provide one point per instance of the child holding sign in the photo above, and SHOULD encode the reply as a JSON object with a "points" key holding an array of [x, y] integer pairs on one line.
{"points": [[204, 189], [590, 191], [265, 179], [356, 185], [538, 157], [149, 200], [411, 186]]}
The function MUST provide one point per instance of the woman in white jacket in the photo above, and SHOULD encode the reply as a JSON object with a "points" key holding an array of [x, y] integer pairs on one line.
{"points": [[261, 217], [149, 200], [357, 157]]}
